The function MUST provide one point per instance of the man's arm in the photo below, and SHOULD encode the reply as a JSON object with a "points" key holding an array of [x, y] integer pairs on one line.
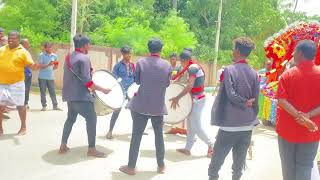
{"points": [[137, 74], [43, 65], [314, 113], [256, 92], [115, 70], [86, 78], [283, 103], [233, 96]]}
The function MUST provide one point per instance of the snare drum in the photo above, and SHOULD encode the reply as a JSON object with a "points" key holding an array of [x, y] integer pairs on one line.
{"points": [[185, 104], [106, 103]]}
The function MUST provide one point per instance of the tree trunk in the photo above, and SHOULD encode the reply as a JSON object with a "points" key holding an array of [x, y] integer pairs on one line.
{"points": [[175, 4]]}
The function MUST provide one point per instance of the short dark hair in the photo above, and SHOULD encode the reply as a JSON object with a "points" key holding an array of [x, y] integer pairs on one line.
{"points": [[16, 33], [24, 40], [47, 44], [308, 48], [80, 40], [155, 45], [188, 49], [185, 56], [173, 55], [244, 45], [125, 49]]}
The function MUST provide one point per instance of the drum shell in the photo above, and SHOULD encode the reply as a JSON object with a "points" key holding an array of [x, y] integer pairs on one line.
{"points": [[102, 108]]}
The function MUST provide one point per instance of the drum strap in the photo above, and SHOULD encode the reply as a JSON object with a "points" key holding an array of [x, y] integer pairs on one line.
{"points": [[69, 66], [183, 71]]}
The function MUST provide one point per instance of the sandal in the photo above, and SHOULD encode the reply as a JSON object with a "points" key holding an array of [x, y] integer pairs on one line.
{"points": [[97, 154], [127, 170], [184, 151]]}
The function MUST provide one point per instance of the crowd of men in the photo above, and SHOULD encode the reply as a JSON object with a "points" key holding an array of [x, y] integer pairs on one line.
{"points": [[235, 109]]}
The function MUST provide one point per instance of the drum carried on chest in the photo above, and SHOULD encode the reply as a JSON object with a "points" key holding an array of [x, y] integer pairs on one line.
{"points": [[106, 103], [180, 113]]}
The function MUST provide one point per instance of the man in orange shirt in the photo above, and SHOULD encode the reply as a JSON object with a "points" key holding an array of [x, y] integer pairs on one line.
{"points": [[298, 115], [13, 59]]}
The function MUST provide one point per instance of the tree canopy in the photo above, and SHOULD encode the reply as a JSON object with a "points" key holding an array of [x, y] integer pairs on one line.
{"points": [[119, 22]]}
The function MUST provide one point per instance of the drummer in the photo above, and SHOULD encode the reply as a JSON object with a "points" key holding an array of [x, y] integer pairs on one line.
{"points": [[195, 86], [124, 70], [153, 74], [77, 85]]}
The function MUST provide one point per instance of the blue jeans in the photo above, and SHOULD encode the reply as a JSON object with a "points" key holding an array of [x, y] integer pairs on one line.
{"points": [[297, 159]]}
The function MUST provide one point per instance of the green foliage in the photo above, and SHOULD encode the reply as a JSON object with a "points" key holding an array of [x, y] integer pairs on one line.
{"points": [[176, 35], [118, 22]]}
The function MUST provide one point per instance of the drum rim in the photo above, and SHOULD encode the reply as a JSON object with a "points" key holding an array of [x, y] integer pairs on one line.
{"points": [[134, 83], [97, 97], [188, 94]]}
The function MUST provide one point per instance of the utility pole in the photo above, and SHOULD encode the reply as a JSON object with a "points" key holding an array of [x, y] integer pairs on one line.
{"points": [[73, 22], [175, 4], [216, 51]]}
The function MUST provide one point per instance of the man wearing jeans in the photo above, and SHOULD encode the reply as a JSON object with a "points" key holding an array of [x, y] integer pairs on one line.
{"points": [[153, 74], [46, 76], [77, 85], [27, 74], [124, 70], [240, 85], [299, 114]]}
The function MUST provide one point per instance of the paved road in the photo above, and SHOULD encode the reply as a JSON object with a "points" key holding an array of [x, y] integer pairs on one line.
{"points": [[34, 156]]}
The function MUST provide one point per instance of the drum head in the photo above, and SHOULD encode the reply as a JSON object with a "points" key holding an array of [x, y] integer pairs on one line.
{"points": [[133, 88], [105, 79], [182, 112]]}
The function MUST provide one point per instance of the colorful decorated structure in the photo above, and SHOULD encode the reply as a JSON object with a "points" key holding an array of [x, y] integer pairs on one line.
{"points": [[279, 48]]}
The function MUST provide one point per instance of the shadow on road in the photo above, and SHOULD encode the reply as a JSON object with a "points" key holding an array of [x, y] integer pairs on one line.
{"points": [[10, 137], [265, 131], [75, 155]]}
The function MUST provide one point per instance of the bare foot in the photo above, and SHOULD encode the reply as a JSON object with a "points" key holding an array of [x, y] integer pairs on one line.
{"points": [[184, 151], [127, 170], [63, 149], [210, 152], [109, 135], [161, 170], [95, 153], [22, 132]]}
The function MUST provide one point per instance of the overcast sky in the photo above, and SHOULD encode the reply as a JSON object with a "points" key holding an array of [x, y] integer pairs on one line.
{"points": [[311, 7]]}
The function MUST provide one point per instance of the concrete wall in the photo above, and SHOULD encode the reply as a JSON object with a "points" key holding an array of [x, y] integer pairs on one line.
{"points": [[101, 58]]}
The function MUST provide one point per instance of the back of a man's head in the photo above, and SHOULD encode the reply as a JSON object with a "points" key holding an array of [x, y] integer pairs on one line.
{"points": [[244, 45], [80, 40], [185, 55], [308, 49], [155, 45]]}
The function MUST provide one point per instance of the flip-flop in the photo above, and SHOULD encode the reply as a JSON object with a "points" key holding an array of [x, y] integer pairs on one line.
{"points": [[184, 151], [161, 170], [97, 155], [126, 170]]}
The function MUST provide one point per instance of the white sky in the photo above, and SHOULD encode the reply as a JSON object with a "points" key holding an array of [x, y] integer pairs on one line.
{"points": [[311, 7]]}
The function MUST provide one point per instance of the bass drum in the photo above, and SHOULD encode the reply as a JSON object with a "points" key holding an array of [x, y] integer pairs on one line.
{"points": [[106, 103], [185, 104]]}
